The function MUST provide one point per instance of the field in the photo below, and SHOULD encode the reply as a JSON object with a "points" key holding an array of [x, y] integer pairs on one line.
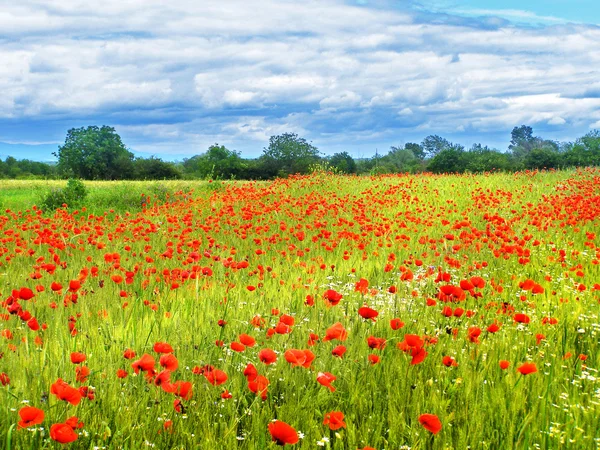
{"points": [[393, 312]]}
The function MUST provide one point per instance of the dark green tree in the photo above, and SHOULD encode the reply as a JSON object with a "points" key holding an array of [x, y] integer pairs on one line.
{"points": [[155, 169], [94, 153], [218, 162], [289, 154], [343, 162], [434, 144], [450, 160], [417, 150]]}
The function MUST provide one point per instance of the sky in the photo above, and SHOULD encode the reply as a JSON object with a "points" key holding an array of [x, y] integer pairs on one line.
{"points": [[175, 77]]}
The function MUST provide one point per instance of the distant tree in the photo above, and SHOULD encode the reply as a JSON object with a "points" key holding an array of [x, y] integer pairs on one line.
{"points": [[585, 151], [521, 137], [401, 160], [288, 154], [542, 158], [483, 159], [94, 153], [155, 169], [417, 150], [450, 160], [434, 144], [343, 162]]}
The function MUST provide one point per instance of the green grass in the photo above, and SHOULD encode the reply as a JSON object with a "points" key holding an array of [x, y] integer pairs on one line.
{"points": [[353, 227]]}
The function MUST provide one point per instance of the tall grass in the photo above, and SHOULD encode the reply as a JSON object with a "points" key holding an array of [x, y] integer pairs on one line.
{"points": [[353, 228]]}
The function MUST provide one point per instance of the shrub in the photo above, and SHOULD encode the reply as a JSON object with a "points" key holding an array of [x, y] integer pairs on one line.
{"points": [[72, 194]]}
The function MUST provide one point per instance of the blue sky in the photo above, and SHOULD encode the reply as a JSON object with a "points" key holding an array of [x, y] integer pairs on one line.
{"points": [[354, 75]]}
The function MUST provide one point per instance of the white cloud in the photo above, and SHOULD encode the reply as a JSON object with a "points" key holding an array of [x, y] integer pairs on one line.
{"points": [[259, 67]]}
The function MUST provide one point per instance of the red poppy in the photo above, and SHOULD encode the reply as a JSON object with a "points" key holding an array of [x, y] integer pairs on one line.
{"points": [[128, 354], [247, 340], [431, 423], [332, 297], [361, 286], [396, 324], [267, 356], [169, 361], [250, 372], [77, 358], [449, 361], [30, 416], [376, 343], [368, 313], [336, 331], [163, 347], [418, 355], [65, 392], [145, 364], [215, 377], [527, 368], [335, 420], [62, 433], [122, 373], [374, 359], [521, 318], [183, 389], [339, 351], [504, 364], [4, 379], [325, 379], [282, 433], [237, 347], [259, 385], [299, 357]]}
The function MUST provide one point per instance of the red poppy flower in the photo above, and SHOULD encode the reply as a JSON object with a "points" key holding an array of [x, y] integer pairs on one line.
{"points": [[122, 373], [250, 372], [527, 368], [431, 423], [145, 363], [169, 361], [412, 340], [62, 433], [336, 331], [77, 358], [332, 297], [215, 377], [373, 359], [299, 357], [128, 354], [521, 318], [376, 343], [267, 356], [237, 347], [325, 379], [282, 433], [163, 347], [339, 351], [418, 355], [247, 340], [504, 364], [259, 385], [65, 392], [30, 416], [449, 361], [335, 420], [396, 324], [367, 313], [4, 379]]}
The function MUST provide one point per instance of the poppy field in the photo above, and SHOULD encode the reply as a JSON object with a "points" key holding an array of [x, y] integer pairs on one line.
{"points": [[323, 311]]}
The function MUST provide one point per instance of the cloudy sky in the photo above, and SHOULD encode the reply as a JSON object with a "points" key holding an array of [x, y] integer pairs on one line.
{"points": [[348, 75]]}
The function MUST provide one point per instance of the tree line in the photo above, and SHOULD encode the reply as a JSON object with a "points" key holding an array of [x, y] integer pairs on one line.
{"points": [[98, 153]]}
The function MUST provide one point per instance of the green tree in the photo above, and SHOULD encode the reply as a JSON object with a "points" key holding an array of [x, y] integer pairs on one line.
{"points": [[483, 159], [155, 169], [401, 160], [218, 162], [343, 162], [417, 150], [288, 154], [585, 151], [434, 144], [94, 153], [450, 160]]}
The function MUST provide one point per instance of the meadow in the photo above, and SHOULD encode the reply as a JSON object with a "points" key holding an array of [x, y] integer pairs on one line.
{"points": [[323, 311]]}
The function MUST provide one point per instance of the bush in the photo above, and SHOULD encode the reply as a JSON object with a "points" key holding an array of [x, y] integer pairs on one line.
{"points": [[72, 195]]}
